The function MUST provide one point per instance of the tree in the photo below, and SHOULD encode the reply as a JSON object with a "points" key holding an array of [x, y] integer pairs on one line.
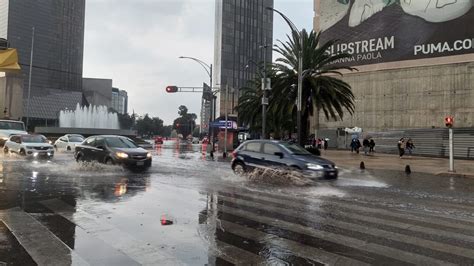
{"points": [[323, 90], [126, 121], [148, 126], [186, 123]]}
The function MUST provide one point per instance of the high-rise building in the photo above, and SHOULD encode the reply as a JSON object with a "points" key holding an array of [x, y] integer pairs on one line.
{"points": [[56, 78], [119, 101], [243, 37]]}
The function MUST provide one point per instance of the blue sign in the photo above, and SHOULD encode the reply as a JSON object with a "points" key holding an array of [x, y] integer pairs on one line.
{"points": [[222, 124]]}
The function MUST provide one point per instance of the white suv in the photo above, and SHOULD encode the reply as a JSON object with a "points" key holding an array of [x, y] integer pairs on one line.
{"points": [[10, 127], [29, 145]]}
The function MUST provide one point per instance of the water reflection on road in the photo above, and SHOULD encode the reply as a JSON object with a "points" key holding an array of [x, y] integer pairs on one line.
{"points": [[191, 209]]}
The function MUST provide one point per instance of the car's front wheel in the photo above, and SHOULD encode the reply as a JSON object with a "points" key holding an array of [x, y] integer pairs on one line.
{"points": [[109, 161], [239, 168], [22, 152], [79, 158]]}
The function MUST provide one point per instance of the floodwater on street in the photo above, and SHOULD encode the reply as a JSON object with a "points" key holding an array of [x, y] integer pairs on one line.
{"points": [[189, 209]]}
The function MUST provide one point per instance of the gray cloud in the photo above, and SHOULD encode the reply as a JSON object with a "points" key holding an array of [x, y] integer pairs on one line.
{"points": [[137, 44]]}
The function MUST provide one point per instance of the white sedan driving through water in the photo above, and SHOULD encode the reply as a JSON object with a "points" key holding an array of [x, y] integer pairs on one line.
{"points": [[68, 142]]}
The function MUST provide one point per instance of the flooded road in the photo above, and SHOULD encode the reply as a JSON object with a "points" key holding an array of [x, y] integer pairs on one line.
{"points": [[190, 210]]}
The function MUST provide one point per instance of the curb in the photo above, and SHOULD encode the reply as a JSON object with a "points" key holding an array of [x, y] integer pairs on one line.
{"points": [[458, 175]]}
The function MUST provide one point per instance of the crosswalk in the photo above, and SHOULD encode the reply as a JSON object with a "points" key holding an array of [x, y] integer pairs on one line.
{"points": [[245, 227]]}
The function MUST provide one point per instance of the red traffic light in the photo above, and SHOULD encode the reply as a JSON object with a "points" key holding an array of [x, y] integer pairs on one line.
{"points": [[171, 89], [449, 121]]}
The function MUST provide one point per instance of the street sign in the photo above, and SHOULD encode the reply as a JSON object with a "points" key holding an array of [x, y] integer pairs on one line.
{"points": [[222, 124]]}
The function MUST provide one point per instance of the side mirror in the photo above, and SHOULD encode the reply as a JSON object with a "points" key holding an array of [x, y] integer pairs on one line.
{"points": [[280, 154]]}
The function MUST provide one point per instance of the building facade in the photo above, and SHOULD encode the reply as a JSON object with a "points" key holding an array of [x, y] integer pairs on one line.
{"points": [[56, 78], [97, 92], [243, 39], [119, 101], [415, 66]]}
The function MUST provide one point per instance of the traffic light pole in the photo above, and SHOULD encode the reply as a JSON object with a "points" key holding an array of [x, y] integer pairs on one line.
{"points": [[451, 151]]}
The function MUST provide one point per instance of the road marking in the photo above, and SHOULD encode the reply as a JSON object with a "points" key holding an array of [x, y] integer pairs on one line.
{"points": [[127, 244], [350, 213], [296, 248], [42, 245], [339, 239], [440, 247]]}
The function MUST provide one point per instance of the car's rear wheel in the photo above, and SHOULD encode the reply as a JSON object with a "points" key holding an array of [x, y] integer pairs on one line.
{"points": [[239, 168], [5, 150], [68, 148], [56, 147], [22, 152]]}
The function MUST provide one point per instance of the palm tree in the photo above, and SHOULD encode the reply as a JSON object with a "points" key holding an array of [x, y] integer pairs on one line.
{"points": [[323, 90], [250, 108]]}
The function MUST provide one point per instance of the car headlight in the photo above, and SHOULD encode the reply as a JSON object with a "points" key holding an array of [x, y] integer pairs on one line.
{"points": [[122, 155], [148, 155], [314, 166]]}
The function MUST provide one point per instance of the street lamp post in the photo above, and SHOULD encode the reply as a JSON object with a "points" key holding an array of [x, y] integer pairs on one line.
{"points": [[208, 69], [264, 92], [29, 77], [298, 34]]}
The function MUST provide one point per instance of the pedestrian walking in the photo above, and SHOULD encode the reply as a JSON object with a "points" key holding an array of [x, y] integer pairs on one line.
{"points": [[319, 143], [401, 147], [410, 146], [326, 144], [365, 143], [371, 146], [355, 145]]}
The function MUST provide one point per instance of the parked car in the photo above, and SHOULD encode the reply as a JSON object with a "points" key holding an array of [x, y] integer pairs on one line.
{"points": [[10, 127], [111, 149], [68, 142], [35, 146], [158, 140], [280, 154]]}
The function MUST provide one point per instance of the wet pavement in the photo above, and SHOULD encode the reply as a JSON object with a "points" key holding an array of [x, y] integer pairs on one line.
{"points": [[190, 210]]}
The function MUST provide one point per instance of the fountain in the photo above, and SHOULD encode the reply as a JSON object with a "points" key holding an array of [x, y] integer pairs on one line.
{"points": [[87, 121], [88, 117]]}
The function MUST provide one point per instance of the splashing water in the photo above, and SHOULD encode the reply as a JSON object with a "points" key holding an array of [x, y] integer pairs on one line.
{"points": [[88, 117]]}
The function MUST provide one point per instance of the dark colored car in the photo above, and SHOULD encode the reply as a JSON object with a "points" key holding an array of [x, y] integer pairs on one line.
{"points": [[113, 150], [280, 154]]}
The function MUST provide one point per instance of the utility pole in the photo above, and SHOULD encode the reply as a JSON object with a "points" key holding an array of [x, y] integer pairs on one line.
{"points": [[226, 120], [29, 77], [264, 92]]}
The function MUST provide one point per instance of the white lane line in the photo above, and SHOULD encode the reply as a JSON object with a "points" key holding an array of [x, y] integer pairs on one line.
{"points": [[376, 220], [238, 256], [295, 248], [339, 239], [116, 238], [452, 222], [441, 247], [42, 245]]}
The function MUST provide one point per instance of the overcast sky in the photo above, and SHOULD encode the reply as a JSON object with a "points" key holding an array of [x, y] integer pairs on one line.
{"points": [[137, 44]]}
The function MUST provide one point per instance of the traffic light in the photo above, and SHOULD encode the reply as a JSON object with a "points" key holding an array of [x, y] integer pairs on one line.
{"points": [[449, 121], [171, 89]]}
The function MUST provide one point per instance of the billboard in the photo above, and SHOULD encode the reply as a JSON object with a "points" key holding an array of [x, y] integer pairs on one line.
{"points": [[381, 34]]}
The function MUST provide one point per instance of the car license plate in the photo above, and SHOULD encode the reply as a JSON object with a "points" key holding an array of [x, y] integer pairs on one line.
{"points": [[140, 163]]}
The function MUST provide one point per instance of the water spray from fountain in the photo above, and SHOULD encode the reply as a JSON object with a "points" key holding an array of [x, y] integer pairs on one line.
{"points": [[88, 117]]}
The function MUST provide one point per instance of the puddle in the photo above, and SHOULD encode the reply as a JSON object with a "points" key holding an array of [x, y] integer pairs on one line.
{"points": [[278, 177]]}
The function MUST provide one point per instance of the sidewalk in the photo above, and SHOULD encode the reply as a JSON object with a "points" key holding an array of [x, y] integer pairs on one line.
{"points": [[437, 166]]}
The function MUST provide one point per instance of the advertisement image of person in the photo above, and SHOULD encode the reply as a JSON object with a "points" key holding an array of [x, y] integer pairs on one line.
{"points": [[434, 11]]}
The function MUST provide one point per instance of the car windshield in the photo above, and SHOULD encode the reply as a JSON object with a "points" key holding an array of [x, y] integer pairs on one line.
{"points": [[295, 149], [76, 139], [120, 143], [12, 125], [34, 139]]}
